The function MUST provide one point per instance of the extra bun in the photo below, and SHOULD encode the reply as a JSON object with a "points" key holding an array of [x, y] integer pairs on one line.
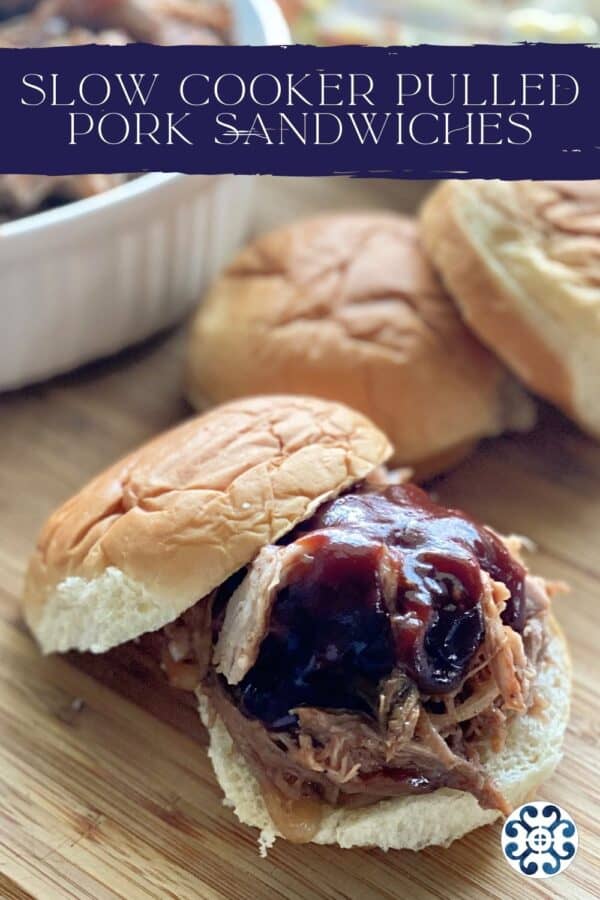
{"points": [[347, 307], [522, 261], [531, 753], [162, 528]]}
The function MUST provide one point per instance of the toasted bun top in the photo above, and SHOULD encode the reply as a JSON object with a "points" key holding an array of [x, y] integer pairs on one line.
{"points": [[167, 524], [522, 261], [347, 307]]}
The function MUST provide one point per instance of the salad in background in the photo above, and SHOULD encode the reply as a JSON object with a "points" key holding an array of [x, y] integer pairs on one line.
{"points": [[333, 22]]}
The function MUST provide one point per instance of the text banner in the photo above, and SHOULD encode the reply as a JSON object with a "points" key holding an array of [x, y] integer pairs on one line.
{"points": [[522, 111]]}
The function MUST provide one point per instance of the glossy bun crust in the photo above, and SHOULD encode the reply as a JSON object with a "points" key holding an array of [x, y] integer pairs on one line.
{"points": [[522, 262], [347, 307], [160, 529]]}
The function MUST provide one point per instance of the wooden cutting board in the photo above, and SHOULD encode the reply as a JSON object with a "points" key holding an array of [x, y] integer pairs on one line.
{"points": [[106, 794]]}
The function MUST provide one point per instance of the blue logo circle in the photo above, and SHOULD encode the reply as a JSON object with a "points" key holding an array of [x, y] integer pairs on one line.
{"points": [[539, 839]]}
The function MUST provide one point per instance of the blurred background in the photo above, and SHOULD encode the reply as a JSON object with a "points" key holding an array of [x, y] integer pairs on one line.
{"points": [[438, 22]]}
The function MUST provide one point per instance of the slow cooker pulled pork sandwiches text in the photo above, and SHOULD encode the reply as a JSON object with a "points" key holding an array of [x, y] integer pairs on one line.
{"points": [[48, 23], [358, 644]]}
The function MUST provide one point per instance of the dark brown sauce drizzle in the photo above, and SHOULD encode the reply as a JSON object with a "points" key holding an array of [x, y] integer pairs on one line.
{"points": [[333, 636]]}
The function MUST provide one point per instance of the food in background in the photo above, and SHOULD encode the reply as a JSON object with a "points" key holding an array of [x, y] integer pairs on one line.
{"points": [[375, 22], [348, 307], [522, 261], [69, 22]]}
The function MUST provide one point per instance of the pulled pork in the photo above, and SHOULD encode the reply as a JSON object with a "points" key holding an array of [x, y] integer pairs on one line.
{"points": [[70, 22], [411, 745], [376, 576], [48, 23]]}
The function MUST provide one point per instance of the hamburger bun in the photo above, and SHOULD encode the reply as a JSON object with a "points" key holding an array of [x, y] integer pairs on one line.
{"points": [[159, 530], [532, 751], [521, 261], [347, 307]]}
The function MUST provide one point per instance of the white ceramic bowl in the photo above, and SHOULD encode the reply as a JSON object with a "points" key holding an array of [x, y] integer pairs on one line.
{"points": [[84, 280]]}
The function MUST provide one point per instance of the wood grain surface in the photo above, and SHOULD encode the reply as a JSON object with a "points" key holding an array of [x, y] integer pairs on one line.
{"points": [[105, 789]]}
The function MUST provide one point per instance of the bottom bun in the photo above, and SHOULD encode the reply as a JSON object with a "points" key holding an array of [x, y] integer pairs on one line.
{"points": [[532, 751]]}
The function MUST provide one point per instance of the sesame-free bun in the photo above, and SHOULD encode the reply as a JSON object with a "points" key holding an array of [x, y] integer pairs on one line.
{"points": [[347, 307], [531, 753], [522, 262], [163, 527]]}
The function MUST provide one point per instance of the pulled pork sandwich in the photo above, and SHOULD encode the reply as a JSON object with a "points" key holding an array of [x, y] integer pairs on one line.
{"points": [[373, 668]]}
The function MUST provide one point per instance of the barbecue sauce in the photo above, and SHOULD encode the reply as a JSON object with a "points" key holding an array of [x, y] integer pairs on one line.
{"points": [[388, 579]]}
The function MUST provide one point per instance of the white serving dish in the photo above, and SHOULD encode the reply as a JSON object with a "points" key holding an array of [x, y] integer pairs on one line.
{"points": [[85, 280]]}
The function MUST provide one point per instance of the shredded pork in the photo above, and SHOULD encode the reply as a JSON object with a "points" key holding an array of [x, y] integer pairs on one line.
{"points": [[73, 22], [410, 743], [247, 617]]}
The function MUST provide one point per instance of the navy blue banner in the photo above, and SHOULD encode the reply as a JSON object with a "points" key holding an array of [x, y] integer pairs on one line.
{"points": [[525, 111]]}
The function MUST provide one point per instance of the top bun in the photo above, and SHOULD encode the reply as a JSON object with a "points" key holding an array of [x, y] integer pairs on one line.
{"points": [[347, 307], [167, 524], [522, 261]]}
